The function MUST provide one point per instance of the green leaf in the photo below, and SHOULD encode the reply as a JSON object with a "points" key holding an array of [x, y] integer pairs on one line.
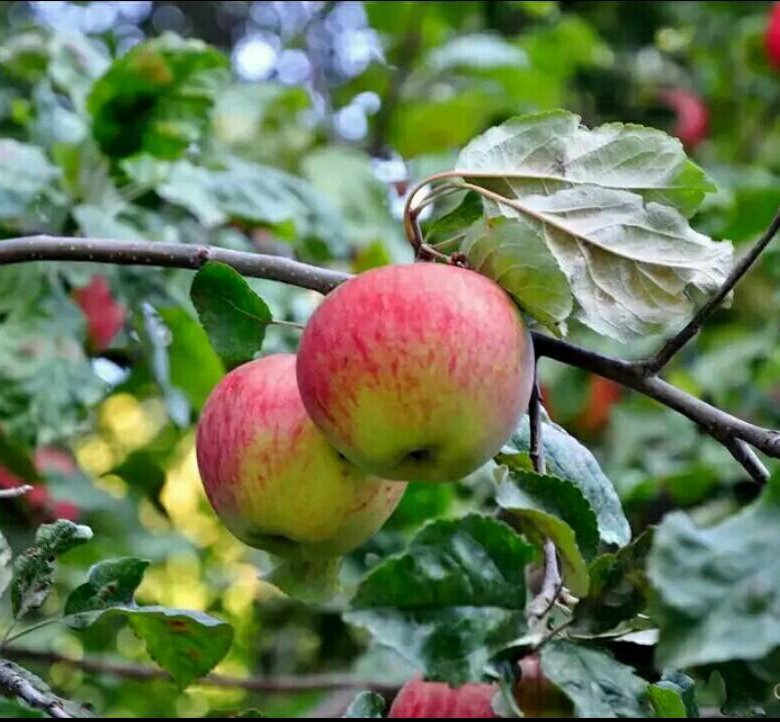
{"points": [[366, 705], [455, 224], [455, 597], [234, 316], [610, 206], [684, 688], [6, 566], [28, 197], [545, 152], [237, 190], [746, 692], [666, 702], [618, 587], [186, 644], [109, 583], [596, 683], [718, 588], [547, 506], [156, 98], [568, 459], [477, 51], [193, 365], [34, 567], [527, 270], [16, 458]]}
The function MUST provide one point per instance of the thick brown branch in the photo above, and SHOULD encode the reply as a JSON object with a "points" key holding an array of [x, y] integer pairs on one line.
{"points": [[310, 682], [13, 683], [720, 424], [713, 420], [674, 344], [168, 255]]}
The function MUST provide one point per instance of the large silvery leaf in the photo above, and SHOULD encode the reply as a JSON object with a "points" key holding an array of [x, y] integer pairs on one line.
{"points": [[568, 459], [718, 588], [455, 597], [610, 207], [547, 152]]}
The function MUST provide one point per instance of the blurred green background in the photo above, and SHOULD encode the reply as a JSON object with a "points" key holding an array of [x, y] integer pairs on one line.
{"points": [[299, 134]]}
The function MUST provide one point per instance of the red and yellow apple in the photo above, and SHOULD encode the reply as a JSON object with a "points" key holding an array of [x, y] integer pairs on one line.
{"points": [[437, 700], [271, 476], [417, 372]]}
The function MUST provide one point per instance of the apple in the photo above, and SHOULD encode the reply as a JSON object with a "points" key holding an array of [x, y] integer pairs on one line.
{"points": [[603, 394], [104, 315], [418, 698], [416, 372], [772, 37], [38, 501], [271, 476], [535, 695], [692, 124]]}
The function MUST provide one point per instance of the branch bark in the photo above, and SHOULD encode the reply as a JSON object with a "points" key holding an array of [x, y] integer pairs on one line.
{"points": [[303, 683], [14, 684], [674, 344], [551, 580], [720, 424]]}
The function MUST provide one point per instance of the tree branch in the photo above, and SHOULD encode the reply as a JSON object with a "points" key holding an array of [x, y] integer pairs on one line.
{"points": [[303, 683], [551, 581], [15, 491], [674, 344], [13, 683], [714, 421], [167, 255]]}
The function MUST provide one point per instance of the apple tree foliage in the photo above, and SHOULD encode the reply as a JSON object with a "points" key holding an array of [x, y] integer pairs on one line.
{"points": [[542, 146]]}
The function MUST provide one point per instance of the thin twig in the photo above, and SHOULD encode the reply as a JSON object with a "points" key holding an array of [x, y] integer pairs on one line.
{"points": [[674, 344], [13, 683], [745, 455], [15, 491], [713, 420], [307, 682], [551, 581]]}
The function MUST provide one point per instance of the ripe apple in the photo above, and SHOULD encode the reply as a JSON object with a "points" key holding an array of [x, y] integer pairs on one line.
{"points": [[535, 695], [419, 699], [104, 315], [417, 372], [271, 476], [692, 124], [772, 37]]}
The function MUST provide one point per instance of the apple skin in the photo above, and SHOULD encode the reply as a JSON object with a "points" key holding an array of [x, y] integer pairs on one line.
{"points": [[693, 117], [105, 317], [271, 476], [416, 372], [772, 37], [434, 700]]}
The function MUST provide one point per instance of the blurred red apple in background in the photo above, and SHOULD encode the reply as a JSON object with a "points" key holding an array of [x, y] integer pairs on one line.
{"points": [[104, 315], [38, 501], [692, 116], [419, 699], [772, 37]]}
